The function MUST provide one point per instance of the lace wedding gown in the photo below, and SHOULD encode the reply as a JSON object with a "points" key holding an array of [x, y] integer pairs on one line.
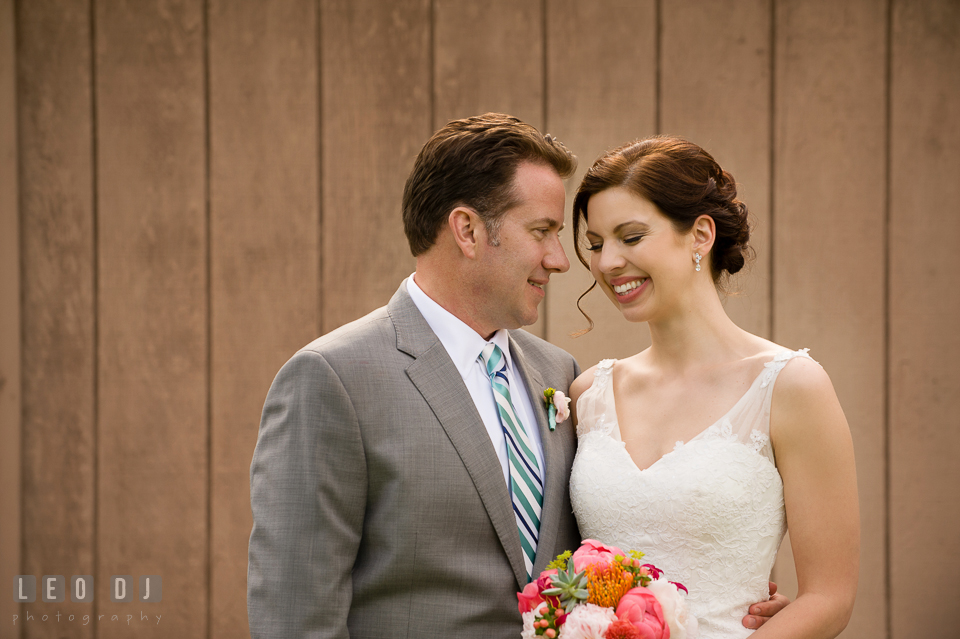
{"points": [[709, 513]]}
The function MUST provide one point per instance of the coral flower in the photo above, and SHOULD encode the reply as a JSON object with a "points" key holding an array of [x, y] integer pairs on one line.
{"points": [[621, 630]]}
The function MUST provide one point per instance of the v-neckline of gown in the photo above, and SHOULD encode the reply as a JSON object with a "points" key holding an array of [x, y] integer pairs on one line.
{"points": [[695, 437]]}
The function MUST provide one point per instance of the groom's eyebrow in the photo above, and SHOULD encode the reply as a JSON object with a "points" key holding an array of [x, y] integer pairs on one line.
{"points": [[549, 222]]}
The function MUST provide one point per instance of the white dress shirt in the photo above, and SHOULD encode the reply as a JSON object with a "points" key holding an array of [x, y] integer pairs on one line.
{"points": [[463, 345]]}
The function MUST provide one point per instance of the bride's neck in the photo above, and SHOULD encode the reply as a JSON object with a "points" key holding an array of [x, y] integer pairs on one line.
{"points": [[698, 333]]}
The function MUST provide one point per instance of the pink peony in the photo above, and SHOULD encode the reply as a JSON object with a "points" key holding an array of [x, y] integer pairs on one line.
{"points": [[682, 624], [593, 552], [530, 597], [641, 608]]}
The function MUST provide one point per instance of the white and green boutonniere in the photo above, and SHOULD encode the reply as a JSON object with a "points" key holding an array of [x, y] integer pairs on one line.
{"points": [[558, 406]]}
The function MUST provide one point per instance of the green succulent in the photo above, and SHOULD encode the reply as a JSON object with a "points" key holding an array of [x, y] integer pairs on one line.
{"points": [[569, 587]]}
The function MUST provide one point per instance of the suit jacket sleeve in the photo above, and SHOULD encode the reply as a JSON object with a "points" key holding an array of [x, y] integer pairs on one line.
{"points": [[307, 489]]}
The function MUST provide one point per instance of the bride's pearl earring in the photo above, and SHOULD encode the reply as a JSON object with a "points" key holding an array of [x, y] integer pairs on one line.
{"points": [[697, 257]]}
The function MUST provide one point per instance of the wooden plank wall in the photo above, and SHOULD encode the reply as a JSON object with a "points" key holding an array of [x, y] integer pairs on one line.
{"points": [[924, 344], [9, 312], [264, 128], [829, 296], [58, 284], [191, 190]]}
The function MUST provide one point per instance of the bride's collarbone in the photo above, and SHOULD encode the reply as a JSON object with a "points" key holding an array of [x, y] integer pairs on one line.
{"points": [[655, 411]]}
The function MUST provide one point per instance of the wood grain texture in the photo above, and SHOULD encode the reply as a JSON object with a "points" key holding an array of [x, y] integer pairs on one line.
{"points": [[489, 57], [264, 218], [376, 115], [58, 312], [924, 306], [10, 345], [715, 91], [153, 384], [828, 236], [601, 93]]}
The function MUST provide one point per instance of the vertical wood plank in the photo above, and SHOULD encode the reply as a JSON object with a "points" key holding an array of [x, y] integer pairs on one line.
{"points": [[9, 315], [264, 250], [489, 57], [828, 236], [715, 91], [601, 93], [375, 116], [924, 306], [58, 312], [153, 431]]}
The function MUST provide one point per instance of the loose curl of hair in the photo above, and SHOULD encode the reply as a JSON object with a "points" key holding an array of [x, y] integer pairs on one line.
{"points": [[684, 182]]}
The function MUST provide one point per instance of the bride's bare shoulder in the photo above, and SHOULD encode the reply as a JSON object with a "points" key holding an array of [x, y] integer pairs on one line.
{"points": [[586, 378], [583, 382]]}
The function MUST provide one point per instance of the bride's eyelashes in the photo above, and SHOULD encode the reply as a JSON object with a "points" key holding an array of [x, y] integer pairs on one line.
{"points": [[630, 240]]}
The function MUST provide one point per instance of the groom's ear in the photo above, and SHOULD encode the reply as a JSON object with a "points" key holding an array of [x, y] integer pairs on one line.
{"points": [[468, 230]]}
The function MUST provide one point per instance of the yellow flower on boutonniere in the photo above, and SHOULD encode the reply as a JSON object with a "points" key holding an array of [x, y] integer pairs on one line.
{"points": [[558, 406]]}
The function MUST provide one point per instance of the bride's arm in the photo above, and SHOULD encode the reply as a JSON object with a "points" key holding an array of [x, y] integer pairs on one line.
{"points": [[814, 453]]}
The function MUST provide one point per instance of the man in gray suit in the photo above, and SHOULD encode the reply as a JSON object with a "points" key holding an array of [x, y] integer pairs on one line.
{"points": [[382, 491], [406, 482]]}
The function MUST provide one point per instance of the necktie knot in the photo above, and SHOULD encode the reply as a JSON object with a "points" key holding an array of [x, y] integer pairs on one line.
{"points": [[493, 358]]}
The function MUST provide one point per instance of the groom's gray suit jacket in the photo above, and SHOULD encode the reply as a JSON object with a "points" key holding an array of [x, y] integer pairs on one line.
{"points": [[379, 504]]}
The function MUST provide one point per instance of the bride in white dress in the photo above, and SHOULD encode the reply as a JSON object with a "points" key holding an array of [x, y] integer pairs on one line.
{"points": [[700, 449]]}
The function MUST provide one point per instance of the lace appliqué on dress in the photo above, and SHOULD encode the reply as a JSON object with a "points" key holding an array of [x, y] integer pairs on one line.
{"points": [[595, 408], [759, 440]]}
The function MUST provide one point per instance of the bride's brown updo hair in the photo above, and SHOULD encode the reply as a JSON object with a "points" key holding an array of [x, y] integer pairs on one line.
{"points": [[684, 182]]}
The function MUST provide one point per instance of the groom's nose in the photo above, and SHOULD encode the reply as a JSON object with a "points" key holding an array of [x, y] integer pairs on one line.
{"points": [[556, 258]]}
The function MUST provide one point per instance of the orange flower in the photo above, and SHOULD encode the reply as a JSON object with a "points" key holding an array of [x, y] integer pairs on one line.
{"points": [[607, 584], [621, 630]]}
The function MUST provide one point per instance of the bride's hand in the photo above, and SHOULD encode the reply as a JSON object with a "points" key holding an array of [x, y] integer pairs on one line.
{"points": [[760, 612]]}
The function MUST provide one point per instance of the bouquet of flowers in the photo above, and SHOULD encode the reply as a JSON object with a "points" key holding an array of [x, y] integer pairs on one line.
{"points": [[600, 592]]}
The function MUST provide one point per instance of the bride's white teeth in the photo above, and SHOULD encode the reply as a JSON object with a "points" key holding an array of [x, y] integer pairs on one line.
{"points": [[629, 286]]}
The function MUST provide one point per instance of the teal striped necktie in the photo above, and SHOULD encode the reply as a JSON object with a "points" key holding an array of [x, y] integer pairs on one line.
{"points": [[526, 487]]}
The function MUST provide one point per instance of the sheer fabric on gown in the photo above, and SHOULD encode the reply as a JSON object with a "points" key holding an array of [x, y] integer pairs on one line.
{"points": [[709, 513]]}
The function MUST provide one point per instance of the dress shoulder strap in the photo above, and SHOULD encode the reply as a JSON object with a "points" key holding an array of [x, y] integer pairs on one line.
{"points": [[751, 417], [774, 366], [596, 407]]}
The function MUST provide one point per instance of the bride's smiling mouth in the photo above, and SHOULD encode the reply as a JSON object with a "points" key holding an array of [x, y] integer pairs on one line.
{"points": [[627, 290]]}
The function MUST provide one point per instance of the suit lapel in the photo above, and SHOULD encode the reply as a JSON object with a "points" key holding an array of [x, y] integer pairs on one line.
{"points": [[556, 480], [439, 382]]}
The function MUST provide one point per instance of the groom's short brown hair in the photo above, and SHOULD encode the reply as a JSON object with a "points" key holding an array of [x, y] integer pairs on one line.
{"points": [[472, 163]]}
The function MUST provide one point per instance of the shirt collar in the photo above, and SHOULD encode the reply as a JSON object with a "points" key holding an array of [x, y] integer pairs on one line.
{"points": [[462, 343]]}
